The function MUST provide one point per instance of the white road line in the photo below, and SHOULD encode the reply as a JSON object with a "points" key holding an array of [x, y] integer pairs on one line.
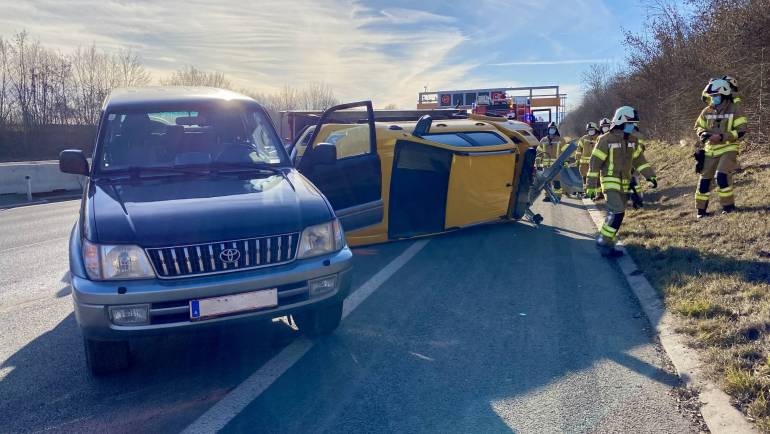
{"points": [[216, 417]]}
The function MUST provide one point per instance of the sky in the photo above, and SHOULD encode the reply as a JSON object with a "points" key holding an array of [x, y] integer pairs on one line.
{"points": [[386, 51]]}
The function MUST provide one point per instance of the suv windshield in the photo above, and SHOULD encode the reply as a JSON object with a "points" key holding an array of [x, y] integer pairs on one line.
{"points": [[170, 139]]}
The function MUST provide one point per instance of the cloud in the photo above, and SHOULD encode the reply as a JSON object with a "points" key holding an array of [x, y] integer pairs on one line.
{"points": [[550, 62], [386, 54]]}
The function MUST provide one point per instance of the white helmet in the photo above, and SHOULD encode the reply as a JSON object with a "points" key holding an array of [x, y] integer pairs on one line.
{"points": [[624, 115], [719, 87]]}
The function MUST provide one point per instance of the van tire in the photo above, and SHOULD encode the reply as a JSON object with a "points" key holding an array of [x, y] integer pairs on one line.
{"points": [[320, 321], [106, 357]]}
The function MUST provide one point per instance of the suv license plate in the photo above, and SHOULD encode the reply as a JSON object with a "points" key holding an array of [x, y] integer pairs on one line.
{"points": [[218, 306]]}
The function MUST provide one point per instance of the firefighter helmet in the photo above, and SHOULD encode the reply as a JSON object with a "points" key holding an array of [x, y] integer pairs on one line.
{"points": [[733, 82], [604, 123], [719, 87], [591, 125], [624, 115], [555, 128]]}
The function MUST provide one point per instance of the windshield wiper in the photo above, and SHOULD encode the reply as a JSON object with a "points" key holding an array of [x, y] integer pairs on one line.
{"points": [[264, 167], [136, 171]]}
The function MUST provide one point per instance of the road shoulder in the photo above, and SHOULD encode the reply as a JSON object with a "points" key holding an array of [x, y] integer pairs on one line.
{"points": [[719, 414]]}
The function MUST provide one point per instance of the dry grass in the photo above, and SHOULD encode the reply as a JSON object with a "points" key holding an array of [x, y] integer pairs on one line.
{"points": [[714, 273]]}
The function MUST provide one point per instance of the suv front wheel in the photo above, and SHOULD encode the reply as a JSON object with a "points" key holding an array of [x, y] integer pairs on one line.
{"points": [[319, 321], [104, 357]]}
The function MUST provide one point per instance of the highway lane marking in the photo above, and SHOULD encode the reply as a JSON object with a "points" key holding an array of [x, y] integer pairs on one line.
{"points": [[219, 415]]}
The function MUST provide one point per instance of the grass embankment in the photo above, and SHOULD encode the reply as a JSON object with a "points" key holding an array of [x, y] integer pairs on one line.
{"points": [[714, 273]]}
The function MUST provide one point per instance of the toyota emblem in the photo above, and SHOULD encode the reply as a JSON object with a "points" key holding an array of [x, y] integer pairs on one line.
{"points": [[230, 256]]}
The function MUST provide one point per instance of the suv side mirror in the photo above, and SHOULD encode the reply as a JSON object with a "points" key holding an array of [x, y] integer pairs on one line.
{"points": [[323, 153], [73, 161]]}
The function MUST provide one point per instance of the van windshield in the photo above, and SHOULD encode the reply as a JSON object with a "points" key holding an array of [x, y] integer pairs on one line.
{"points": [[168, 139]]}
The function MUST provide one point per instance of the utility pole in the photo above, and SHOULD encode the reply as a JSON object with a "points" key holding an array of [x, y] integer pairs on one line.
{"points": [[761, 89]]}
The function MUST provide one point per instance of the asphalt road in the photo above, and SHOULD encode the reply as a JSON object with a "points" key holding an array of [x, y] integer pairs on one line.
{"points": [[497, 328]]}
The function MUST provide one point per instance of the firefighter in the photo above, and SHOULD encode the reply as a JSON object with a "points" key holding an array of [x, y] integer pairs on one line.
{"points": [[613, 159], [719, 127], [585, 146], [604, 126], [551, 146]]}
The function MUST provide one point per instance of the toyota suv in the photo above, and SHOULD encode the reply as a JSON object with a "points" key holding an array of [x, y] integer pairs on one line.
{"points": [[193, 216]]}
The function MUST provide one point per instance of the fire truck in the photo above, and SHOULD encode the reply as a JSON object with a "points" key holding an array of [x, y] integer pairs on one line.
{"points": [[537, 106]]}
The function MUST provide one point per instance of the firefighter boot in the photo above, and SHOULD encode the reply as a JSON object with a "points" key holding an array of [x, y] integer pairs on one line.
{"points": [[608, 235]]}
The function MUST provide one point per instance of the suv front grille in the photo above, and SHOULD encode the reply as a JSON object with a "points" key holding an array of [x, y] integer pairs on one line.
{"points": [[223, 256]]}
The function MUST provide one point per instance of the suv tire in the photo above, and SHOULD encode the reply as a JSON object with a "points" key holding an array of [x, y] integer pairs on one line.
{"points": [[105, 357], [320, 321]]}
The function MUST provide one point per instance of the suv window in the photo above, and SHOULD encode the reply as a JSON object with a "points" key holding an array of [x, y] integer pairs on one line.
{"points": [[157, 139], [476, 138]]}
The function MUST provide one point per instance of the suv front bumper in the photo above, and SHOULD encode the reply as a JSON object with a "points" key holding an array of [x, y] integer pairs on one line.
{"points": [[169, 299]]}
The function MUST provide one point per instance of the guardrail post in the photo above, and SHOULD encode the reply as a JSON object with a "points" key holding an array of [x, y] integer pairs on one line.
{"points": [[29, 188]]}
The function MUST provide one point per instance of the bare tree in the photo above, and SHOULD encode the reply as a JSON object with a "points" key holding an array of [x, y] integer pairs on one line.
{"points": [[130, 72], [317, 96], [192, 76], [6, 103]]}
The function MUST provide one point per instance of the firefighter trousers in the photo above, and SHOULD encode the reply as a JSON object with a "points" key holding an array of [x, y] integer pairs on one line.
{"points": [[616, 210], [722, 168]]}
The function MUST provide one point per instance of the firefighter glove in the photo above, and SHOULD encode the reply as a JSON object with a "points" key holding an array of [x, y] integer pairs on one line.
{"points": [[700, 159], [653, 181]]}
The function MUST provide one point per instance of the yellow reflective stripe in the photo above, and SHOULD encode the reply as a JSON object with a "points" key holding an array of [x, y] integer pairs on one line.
{"points": [[599, 154], [610, 179], [608, 231], [637, 152], [739, 121], [611, 186], [702, 122], [716, 151], [585, 159], [726, 192], [592, 175], [701, 196], [643, 166], [612, 161]]}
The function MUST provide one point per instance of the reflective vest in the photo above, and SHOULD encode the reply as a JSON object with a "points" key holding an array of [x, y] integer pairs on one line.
{"points": [[551, 148], [613, 159], [727, 120]]}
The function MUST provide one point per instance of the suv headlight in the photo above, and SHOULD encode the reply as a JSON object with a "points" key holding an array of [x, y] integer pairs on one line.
{"points": [[321, 239], [116, 262]]}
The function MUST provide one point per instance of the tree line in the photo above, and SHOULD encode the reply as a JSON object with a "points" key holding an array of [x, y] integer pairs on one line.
{"points": [[41, 87], [667, 67]]}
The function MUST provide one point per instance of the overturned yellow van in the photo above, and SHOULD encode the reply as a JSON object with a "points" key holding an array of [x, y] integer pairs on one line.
{"points": [[395, 180]]}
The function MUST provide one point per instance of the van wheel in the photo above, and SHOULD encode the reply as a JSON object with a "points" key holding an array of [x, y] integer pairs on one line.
{"points": [[319, 321], [104, 357]]}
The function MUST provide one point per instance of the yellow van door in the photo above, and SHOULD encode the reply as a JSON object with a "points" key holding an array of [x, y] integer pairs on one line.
{"points": [[480, 187]]}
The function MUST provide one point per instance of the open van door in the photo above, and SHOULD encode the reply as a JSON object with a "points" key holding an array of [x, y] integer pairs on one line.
{"points": [[342, 161]]}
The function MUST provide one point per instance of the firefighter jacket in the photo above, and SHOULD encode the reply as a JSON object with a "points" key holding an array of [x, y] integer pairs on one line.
{"points": [[585, 146], [613, 159], [728, 120], [550, 148]]}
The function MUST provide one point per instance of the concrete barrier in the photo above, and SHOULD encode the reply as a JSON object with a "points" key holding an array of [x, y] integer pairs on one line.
{"points": [[44, 176]]}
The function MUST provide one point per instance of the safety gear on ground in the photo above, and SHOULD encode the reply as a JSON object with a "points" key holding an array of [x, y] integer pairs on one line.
{"points": [[604, 125], [700, 158], [653, 180], [624, 115]]}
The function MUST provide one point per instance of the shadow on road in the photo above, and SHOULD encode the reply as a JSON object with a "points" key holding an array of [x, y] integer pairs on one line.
{"points": [[463, 337], [455, 341]]}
